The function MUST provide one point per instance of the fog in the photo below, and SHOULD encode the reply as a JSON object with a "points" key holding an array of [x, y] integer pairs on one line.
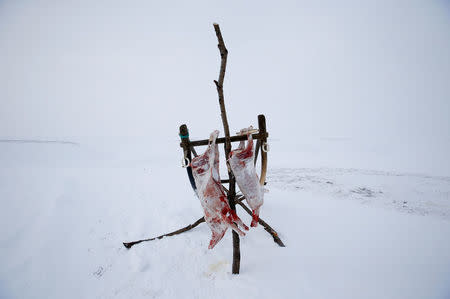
{"points": [[372, 70], [357, 100]]}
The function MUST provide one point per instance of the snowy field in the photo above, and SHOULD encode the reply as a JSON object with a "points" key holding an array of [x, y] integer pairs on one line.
{"points": [[350, 233], [356, 96]]}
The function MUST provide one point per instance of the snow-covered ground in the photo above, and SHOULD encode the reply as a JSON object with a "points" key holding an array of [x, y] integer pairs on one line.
{"points": [[356, 97], [350, 233]]}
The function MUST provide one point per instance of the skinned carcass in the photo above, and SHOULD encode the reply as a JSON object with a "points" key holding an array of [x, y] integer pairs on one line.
{"points": [[218, 214], [242, 164]]}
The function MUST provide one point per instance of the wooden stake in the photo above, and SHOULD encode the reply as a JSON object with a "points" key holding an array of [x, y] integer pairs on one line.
{"points": [[263, 131], [232, 187]]}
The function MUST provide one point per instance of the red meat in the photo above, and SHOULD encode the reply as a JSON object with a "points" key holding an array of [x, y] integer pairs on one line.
{"points": [[242, 164], [218, 214]]}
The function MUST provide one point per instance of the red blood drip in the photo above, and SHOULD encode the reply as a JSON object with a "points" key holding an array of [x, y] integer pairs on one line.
{"points": [[255, 219]]}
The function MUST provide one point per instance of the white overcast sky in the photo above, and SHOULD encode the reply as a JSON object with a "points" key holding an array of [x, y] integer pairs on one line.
{"points": [[71, 69]]}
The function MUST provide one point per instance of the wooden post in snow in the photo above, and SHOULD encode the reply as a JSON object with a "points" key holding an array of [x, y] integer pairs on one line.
{"points": [[232, 186]]}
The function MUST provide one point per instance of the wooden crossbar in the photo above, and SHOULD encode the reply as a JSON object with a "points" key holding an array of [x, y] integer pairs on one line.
{"points": [[259, 136]]}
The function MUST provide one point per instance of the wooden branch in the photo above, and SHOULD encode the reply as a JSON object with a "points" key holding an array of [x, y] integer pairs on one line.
{"points": [[264, 224], [177, 232], [184, 135], [223, 54], [193, 151], [262, 130], [258, 136], [232, 192], [225, 181], [239, 201], [257, 148], [219, 85]]}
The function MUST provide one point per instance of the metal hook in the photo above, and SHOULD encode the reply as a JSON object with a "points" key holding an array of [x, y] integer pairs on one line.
{"points": [[185, 162], [265, 147]]}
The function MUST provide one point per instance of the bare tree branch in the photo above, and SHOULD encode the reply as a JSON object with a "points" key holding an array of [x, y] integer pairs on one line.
{"points": [[264, 224], [232, 193], [179, 231], [239, 201]]}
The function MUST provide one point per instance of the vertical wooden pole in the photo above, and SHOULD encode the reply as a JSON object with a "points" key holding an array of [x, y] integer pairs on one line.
{"points": [[263, 131], [257, 148], [184, 135], [227, 146]]}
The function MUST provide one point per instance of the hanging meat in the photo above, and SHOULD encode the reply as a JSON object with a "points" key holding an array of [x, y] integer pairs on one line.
{"points": [[218, 214], [242, 164]]}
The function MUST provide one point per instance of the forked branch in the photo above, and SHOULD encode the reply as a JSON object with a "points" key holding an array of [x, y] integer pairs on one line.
{"points": [[232, 193], [264, 224]]}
